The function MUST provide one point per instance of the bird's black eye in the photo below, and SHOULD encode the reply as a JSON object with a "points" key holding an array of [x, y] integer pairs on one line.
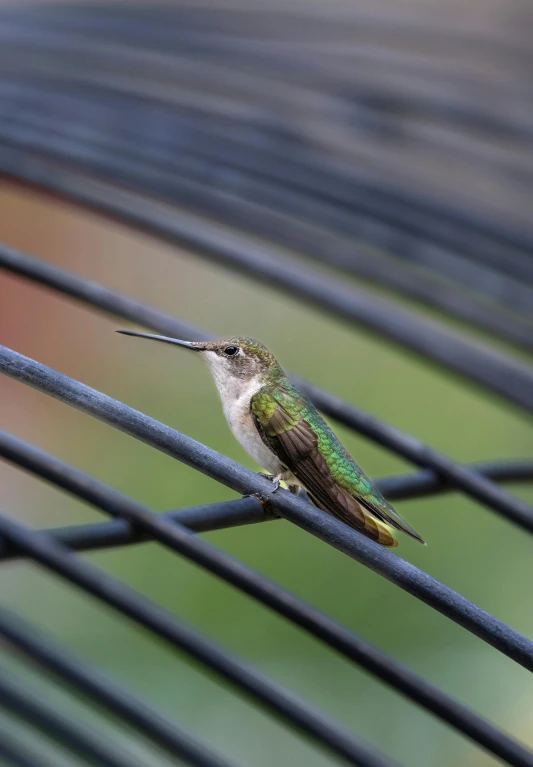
{"points": [[231, 351]]}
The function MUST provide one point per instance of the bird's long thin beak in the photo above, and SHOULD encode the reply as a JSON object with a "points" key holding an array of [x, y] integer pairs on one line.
{"points": [[195, 346]]}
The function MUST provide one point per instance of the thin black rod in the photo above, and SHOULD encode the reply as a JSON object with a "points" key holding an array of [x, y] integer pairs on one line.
{"points": [[119, 532], [104, 691], [96, 295], [493, 370], [319, 625], [16, 754], [162, 624], [246, 482], [92, 746], [249, 510]]}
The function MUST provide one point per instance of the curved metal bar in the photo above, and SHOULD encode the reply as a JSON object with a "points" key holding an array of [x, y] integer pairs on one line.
{"points": [[96, 295], [53, 556], [383, 196], [92, 684], [317, 229], [82, 742], [244, 481], [249, 510], [256, 187], [319, 625], [493, 370], [16, 754]]}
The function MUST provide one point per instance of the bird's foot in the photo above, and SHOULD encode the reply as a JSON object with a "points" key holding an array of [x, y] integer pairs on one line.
{"points": [[274, 478]]}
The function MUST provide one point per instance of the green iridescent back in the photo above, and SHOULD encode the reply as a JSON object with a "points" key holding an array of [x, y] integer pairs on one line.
{"points": [[279, 390]]}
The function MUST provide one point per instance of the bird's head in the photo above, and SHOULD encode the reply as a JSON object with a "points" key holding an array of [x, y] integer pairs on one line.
{"points": [[230, 360]]}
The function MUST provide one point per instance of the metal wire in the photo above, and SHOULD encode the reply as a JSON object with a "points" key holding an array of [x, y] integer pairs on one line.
{"points": [[319, 625], [494, 370], [91, 683], [405, 445], [92, 746], [244, 481]]}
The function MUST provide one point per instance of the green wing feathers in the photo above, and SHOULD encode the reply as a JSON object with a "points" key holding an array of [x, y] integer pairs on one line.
{"points": [[291, 426]]}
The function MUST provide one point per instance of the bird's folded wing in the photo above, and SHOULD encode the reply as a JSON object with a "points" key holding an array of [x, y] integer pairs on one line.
{"points": [[296, 445]]}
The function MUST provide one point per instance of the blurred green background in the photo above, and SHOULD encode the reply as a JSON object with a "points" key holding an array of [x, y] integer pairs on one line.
{"points": [[470, 549]]}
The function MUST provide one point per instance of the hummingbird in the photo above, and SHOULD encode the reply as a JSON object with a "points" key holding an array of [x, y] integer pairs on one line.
{"points": [[281, 429]]}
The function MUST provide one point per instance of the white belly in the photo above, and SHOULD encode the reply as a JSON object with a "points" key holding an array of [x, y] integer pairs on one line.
{"points": [[239, 418]]}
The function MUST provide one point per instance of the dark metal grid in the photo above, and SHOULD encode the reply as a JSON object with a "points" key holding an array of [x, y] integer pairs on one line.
{"points": [[274, 698], [32, 169], [171, 30], [140, 520], [274, 196], [261, 205], [494, 370], [92, 746], [106, 693], [247, 510], [117, 305], [132, 422], [10, 360], [231, 474], [386, 427]]}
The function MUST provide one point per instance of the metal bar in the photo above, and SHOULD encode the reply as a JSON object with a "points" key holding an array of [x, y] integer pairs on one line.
{"points": [[413, 203], [249, 510], [16, 754], [293, 170], [105, 692], [195, 183], [119, 532], [162, 624], [244, 207], [270, 62], [495, 371], [96, 295], [92, 746], [244, 481], [319, 625], [221, 155], [261, 207]]}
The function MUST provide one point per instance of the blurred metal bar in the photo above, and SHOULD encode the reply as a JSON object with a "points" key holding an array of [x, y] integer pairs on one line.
{"points": [[414, 215], [162, 624], [495, 371], [244, 481], [319, 625], [15, 754], [117, 700], [322, 230], [96, 295], [92, 746], [31, 31], [222, 183]]}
